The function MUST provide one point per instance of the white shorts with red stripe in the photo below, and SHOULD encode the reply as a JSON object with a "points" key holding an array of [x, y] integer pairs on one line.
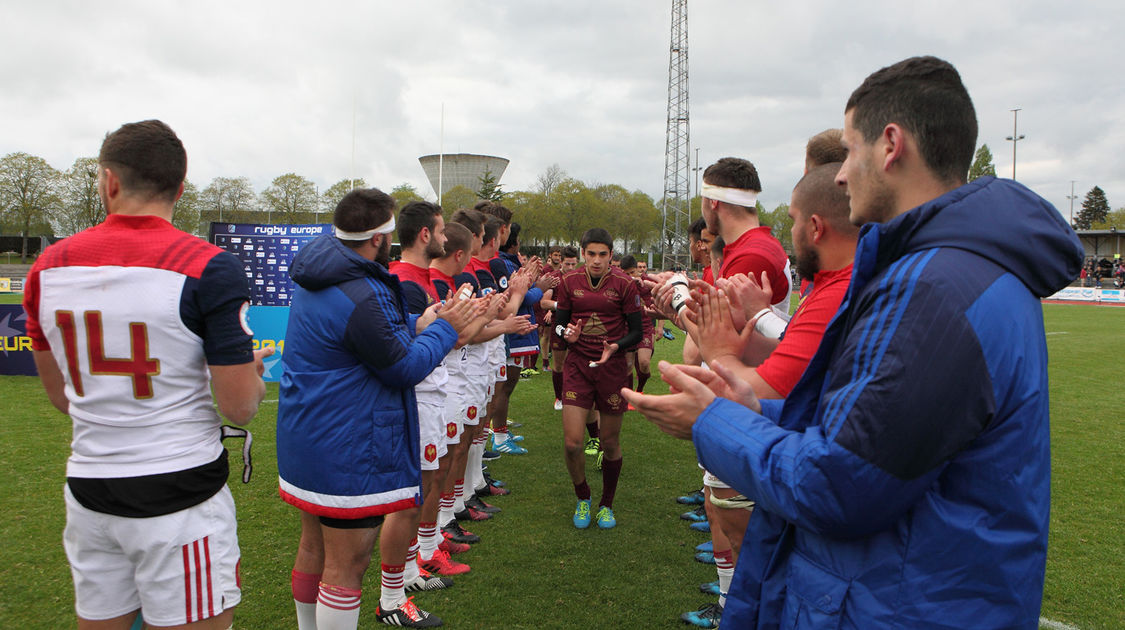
{"points": [[178, 568]]}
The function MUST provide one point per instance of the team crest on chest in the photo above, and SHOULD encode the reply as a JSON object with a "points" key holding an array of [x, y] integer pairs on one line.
{"points": [[611, 294], [431, 452]]}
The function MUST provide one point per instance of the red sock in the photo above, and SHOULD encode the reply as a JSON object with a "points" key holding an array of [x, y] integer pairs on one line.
{"points": [[611, 472], [556, 380], [305, 586], [592, 429], [582, 491]]}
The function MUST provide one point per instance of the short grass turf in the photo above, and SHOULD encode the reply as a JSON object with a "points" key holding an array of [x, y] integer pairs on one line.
{"points": [[533, 569]]}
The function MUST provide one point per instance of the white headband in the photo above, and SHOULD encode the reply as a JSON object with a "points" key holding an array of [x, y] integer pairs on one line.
{"points": [[737, 196], [386, 228]]}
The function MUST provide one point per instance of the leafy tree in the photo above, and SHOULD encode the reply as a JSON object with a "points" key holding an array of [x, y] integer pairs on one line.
{"points": [[982, 164], [1095, 209], [577, 208], [404, 194], [331, 197], [81, 206], [290, 198], [781, 225], [187, 214], [489, 187], [458, 197], [229, 200], [1115, 219], [28, 196]]}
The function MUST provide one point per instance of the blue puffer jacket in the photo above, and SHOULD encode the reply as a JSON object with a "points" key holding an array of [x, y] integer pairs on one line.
{"points": [[347, 420], [905, 482]]}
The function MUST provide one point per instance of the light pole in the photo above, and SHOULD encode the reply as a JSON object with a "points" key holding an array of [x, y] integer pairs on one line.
{"points": [[1015, 138], [1071, 197]]}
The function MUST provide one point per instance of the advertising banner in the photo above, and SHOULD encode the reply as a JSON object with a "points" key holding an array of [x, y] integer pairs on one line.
{"points": [[269, 324], [266, 252], [15, 345]]}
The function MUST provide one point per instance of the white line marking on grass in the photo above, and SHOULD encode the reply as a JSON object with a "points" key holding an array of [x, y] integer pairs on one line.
{"points": [[1047, 624], [275, 400], [1063, 332]]}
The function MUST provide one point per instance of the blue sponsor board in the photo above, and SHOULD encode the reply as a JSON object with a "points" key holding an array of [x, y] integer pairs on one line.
{"points": [[266, 251], [15, 345], [269, 324]]}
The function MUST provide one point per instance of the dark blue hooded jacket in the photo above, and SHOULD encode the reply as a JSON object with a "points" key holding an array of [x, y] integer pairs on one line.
{"points": [[905, 481], [347, 420]]}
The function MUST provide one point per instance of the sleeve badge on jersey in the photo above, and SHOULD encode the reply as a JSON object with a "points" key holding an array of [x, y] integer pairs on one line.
{"points": [[638, 301], [503, 283], [243, 319], [431, 452]]}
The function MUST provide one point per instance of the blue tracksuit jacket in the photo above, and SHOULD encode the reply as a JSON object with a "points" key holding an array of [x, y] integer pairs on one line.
{"points": [[905, 481]]}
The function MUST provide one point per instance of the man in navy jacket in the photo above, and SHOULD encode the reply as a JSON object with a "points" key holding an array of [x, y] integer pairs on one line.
{"points": [[347, 420], [905, 481]]}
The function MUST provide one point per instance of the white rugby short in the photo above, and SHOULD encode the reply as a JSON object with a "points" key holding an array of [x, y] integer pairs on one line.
{"points": [[711, 481], [177, 568], [454, 412], [476, 398], [431, 425]]}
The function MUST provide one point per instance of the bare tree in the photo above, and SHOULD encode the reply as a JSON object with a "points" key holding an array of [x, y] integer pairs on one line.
{"points": [[81, 206], [28, 196]]}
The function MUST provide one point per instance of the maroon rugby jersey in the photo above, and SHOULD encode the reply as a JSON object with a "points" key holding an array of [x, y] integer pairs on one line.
{"points": [[601, 307]]}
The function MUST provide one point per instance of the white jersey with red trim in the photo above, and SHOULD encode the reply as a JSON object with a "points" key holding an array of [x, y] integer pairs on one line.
{"points": [[113, 315]]}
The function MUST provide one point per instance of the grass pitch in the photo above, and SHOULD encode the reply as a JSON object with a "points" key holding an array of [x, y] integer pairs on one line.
{"points": [[533, 569]]}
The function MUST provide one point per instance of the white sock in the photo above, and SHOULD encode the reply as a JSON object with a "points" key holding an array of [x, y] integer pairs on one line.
{"points": [[459, 489], [410, 572], [306, 615], [428, 540], [725, 568], [337, 608], [392, 594]]}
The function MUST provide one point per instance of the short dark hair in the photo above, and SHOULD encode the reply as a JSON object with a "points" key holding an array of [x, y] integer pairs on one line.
{"points": [[596, 235], [513, 237], [413, 217], [695, 230], [493, 208], [628, 262], [457, 238], [492, 227], [470, 219], [732, 172], [717, 247], [363, 209], [147, 157], [569, 251], [926, 97], [554, 248], [817, 193], [825, 148]]}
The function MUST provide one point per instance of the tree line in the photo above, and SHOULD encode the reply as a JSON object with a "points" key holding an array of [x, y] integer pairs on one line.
{"points": [[37, 199]]}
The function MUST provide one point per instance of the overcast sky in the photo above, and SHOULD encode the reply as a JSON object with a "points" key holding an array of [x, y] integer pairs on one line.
{"points": [[259, 89]]}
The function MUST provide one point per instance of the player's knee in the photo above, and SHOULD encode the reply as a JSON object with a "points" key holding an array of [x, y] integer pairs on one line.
{"points": [[573, 446]]}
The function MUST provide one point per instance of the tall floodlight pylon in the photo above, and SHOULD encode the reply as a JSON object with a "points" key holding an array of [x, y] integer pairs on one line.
{"points": [[677, 162]]}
